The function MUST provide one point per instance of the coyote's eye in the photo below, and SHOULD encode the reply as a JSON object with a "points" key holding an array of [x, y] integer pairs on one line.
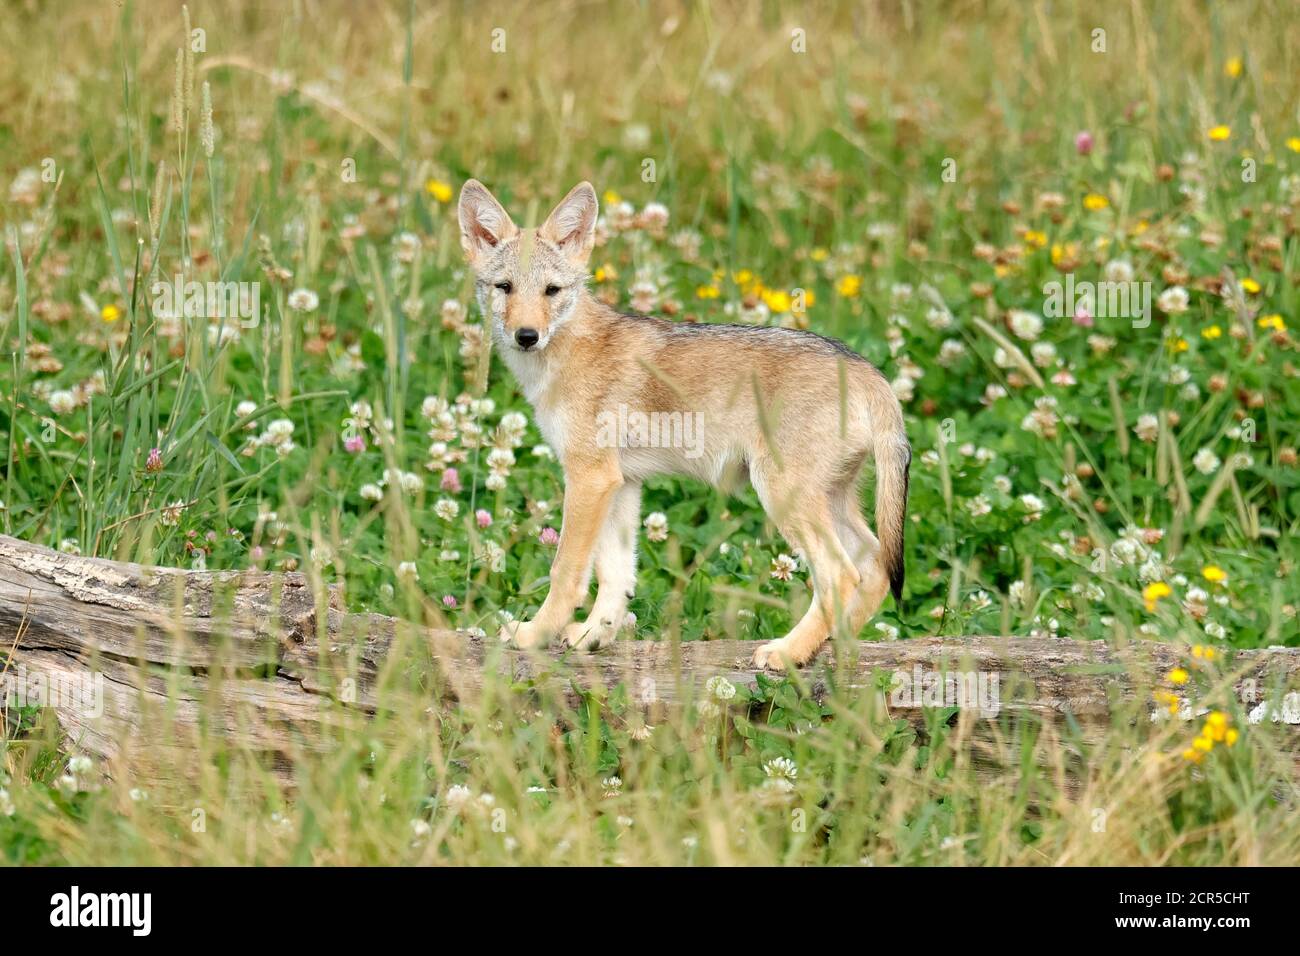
{"points": [[505, 287], [552, 289]]}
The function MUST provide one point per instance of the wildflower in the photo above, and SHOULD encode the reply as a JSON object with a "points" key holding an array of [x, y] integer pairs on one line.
{"points": [[1250, 286], [1153, 592], [613, 786], [482, 518], [62, 402], [1211, 332], [371, 492], [781, 774], [848, 286], [446, 509], [656, 526], [1094, 202], [458, 796], [1083, 143], [1232, 67], [1274, 322], [449, 601], [549, 537], [154, 463], [1025, 325], [450, 481], [1214, 574], [783, 567], [110, 313], [1173, 300], [354, 444], [171, 515], [1147, 428], [1178, 677], [720, 688], [1206, 461], [1293, 144], [438, 190], [303, 300], [1033, 506], [1219, 133]]}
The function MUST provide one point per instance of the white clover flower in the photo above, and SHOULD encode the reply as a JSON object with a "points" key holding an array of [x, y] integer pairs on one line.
{"points": [[420, 829], [371, 492], [720, 688], [1025, 325], [1033, 505], [1147, 427], [446, 509], [612, 786], [1173, 300], [1119, 270], [303, 300], [1003, 484], [887, 631], [781, 774], [1043, 354], [407, 571], [7, 808], [784, 567], [979, 506], [1206, 461], [458, 796], [62, 402], [656, 526]]}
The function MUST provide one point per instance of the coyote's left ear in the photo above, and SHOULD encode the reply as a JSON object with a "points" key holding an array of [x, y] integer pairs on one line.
{"points": [[572, 224]]}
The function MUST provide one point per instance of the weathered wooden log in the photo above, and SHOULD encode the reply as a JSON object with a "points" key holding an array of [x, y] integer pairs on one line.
{"points": [[132, 658]]}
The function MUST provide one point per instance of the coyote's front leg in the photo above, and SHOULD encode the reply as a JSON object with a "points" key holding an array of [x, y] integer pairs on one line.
{"points": [[589, 488]]}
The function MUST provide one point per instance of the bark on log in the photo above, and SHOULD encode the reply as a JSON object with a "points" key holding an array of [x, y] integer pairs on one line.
{"points": [[244, 650]]}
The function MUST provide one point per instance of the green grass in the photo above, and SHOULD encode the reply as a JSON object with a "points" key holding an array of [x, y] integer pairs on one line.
{"points": [[339, 146]]}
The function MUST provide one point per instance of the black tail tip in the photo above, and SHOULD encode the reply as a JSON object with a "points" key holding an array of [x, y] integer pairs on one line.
{"points": [[896, 583]]}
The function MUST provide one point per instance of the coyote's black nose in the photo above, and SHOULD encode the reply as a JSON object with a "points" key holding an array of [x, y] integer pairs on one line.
{"points": [[526, 338]]}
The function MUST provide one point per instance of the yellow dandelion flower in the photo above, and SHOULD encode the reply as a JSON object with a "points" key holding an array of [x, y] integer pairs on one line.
{"points": [[1203, 744], [1192, 755], [1178, 676], [1293, 144], [1035, 239], [1178, 345], [1273, 321], [708, 292], [1250, 285], [1095, 201], [439, 190], [849, 286], [1211, 653], [1231, 736], [1219, 133], [612, 198], [1232, 68], [110, 313], [819, 254], [1212, 332], [1214, 573], [777, 300]]}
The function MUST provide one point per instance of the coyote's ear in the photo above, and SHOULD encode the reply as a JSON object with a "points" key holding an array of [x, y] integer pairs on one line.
{"points": [[572, 224], [484, 222]]}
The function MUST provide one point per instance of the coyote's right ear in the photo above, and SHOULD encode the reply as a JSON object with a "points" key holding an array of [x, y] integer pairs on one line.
{"points": [[484, 222]]}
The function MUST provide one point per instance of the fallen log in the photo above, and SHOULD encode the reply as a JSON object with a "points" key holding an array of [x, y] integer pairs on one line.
{"points": [[121, 650]]}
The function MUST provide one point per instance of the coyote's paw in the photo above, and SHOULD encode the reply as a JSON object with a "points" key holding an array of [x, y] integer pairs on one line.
{"points": [[776, 655], [590, 634], [522, 634]]}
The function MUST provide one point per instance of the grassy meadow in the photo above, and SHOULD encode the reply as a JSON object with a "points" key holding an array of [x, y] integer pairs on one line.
{"points": [[908, 177]]}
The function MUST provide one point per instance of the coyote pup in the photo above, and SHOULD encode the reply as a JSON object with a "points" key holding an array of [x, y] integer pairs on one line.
{"points": [[795, 413]]}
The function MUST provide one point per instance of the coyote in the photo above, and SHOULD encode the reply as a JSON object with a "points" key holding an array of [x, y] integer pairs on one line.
{"points": [[795, 413]]}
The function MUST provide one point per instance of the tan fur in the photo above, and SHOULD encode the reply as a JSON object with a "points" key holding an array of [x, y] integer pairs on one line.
{"points": [[797, 414]]}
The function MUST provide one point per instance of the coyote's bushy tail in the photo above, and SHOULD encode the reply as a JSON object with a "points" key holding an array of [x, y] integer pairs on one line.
{"points": [[893, 459]]}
